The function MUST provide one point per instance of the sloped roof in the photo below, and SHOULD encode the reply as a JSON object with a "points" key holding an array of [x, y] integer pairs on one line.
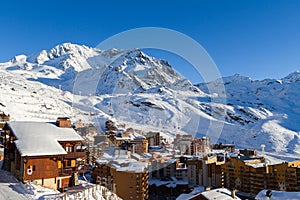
{"points": [[41, 138], [277, 195], [218, 194]]}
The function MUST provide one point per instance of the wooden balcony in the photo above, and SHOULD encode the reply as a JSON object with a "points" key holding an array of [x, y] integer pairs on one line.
{"points": [[78, 154], [66, 171]]}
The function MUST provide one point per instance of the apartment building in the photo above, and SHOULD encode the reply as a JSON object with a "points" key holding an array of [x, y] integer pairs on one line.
{"points": [[123, 176], [251, 174], [153, 138], [206, 171]]}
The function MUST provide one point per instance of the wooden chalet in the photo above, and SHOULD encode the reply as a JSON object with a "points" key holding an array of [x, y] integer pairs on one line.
{"points": [[47, 153], [3, 119]]}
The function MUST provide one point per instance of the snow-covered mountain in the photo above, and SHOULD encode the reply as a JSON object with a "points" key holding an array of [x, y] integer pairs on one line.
{"points": [[146, 93]]}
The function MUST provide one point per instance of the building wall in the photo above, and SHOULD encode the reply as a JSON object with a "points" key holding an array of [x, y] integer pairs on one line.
{"points": [[41, 168], [251, 180], [153, 138], [131, 185], [45, 171], [127, 185], [103, 176], [54, 183], [140, 146]]}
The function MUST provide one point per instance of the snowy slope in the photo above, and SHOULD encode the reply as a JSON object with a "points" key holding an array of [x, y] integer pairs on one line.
{"points": [[266, 111], [146, 93]]}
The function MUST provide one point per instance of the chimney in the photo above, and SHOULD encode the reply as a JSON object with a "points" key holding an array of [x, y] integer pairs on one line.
{"points": [[233, 193], [263, 149], [63, 122]]}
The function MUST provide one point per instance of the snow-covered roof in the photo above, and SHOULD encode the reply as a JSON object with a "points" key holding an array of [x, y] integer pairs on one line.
{"points": [[193, 194], [134, 166], [41, 138], [277, 195], [185, 196], [219, 194], [136, 136]]}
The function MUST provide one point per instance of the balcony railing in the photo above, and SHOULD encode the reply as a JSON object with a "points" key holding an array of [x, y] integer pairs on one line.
{"points": [[66, 171], [79, 154]]}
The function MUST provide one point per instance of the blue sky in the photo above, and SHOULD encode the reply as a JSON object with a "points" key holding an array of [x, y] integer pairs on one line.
{"points": [[256, 38]]}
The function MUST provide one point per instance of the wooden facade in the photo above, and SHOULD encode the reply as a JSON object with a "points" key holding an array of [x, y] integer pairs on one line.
{"points": [[53, 171]]}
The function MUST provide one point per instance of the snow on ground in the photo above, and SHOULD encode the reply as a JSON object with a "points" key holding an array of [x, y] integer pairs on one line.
{"points": [[12, 189], [147, 94]]}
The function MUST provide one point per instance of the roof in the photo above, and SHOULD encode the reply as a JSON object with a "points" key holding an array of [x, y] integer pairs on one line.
{"points": [[134, 166], [218, 194], [41, 138], [172, 183], [195, 193], [263, 195]]}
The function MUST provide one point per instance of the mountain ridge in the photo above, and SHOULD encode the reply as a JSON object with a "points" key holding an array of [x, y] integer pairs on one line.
{"points": [[132, 87]]}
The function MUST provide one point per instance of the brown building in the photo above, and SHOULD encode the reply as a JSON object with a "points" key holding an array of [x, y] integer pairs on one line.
{"points": [[153, 138], [206, 171], [42, 152], [253, 174], [125, 177], [162, 166], [200, 145], [140, 146], [3, 119]]}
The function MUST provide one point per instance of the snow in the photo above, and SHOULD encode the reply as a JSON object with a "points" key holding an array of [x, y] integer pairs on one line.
{"points": [[40, 138], [12, 189], [277, 195], [170, 184], [219, 194], [196, 191], [134, 166], [147, 94]]}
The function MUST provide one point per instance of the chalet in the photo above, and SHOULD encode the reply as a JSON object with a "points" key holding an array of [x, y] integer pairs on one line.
{"points": [[3, 119], [43, 152]]}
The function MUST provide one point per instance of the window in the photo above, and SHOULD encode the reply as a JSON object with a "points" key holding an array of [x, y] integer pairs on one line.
{"points": [[69, 148], [59, 164], [73, 163], [32, 167]]}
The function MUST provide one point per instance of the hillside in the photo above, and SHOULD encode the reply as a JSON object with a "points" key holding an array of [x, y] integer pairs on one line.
{"points": [[147, 93]]}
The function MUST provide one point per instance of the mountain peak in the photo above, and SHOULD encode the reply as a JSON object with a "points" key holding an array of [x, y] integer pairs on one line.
{"points": [[65, 49], [70, 48], [236, 78], [292, 77]]}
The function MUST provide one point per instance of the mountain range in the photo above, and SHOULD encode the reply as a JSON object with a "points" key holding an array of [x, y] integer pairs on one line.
{"points": [[146, 93]]}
